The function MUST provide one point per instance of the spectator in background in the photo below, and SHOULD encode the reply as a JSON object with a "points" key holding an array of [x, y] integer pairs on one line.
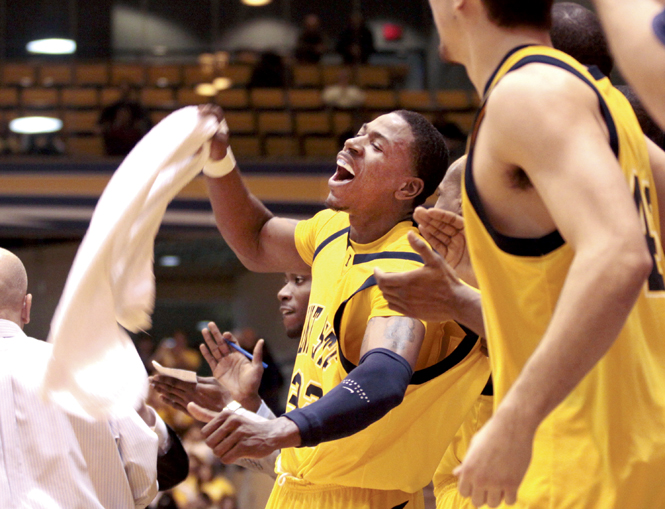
{"points": [[175, 353], [343, 93], [311, 44], [123, 123], [44, 144], [269, 72], [356, 42]]}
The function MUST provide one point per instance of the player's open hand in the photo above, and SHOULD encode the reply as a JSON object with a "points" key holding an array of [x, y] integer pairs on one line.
{"points": [[232, 436], [429, 293], [496, 462], [206, 392], [239, 376]]}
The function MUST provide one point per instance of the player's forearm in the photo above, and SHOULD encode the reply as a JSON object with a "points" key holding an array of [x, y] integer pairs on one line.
{"points": [[600, 290], [638, 52], [468, 310], [240, 218]]}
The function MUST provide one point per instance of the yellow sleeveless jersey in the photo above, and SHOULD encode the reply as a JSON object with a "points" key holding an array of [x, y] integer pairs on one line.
{"points": [[402, 450], [604, 446]]}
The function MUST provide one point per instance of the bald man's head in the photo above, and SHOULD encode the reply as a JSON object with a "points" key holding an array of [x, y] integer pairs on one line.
{"points": [[577, 31], [13, 288]]}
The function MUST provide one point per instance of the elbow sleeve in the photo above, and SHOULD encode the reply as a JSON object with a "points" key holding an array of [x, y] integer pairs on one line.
{"points": [[368, 393]]}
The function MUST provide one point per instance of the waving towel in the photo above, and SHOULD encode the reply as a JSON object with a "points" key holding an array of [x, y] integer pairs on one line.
{"points": [[95, 370]]}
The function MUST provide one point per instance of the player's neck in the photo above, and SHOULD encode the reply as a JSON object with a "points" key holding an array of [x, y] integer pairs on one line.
{"points": [[368, 229], [490, 46]]}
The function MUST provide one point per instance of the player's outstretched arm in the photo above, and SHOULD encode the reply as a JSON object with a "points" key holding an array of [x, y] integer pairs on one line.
{"points": [[206, 392], [638, 51], [262, 242], [432, 293], [558, 138]]}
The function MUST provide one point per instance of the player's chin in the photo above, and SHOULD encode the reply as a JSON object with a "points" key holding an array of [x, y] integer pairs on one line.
{"points": [[335, 203]]}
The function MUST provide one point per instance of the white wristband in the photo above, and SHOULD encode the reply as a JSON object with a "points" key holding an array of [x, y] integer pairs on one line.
{"points": [[217, 169]]}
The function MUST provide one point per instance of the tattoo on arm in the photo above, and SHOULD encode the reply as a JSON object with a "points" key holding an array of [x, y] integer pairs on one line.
{"points": [[400, 332]]}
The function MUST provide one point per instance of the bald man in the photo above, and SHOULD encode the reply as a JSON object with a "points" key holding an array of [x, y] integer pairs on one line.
{"points": [[52, 459]]}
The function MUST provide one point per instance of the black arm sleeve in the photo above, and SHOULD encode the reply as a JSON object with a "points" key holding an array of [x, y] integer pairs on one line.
{"points": [[368, 393], [172, 466]]}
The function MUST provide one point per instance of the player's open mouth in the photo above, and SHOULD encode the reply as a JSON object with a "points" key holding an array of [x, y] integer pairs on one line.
{"points": [[345, 172], [286, 311]]}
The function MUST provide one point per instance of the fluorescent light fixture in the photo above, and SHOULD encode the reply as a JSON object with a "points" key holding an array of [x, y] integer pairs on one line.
{"points": [[222, 83], [35, 125], [169, 261], [256, 3], [52, 46], [206, 89]]}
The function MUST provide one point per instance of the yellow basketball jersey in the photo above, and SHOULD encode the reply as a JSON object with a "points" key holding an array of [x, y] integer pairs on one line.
{"points": [[401, 450], [604, 446]]}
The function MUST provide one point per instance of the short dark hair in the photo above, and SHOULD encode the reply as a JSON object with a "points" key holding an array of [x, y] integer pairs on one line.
{"points": [[649, 127], [577, 31], [430, 153], [517, 13]]}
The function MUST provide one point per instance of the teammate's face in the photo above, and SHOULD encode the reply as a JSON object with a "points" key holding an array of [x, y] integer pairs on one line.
{"points": [[373, 166], [293, 298], [443, 19], [449, 192]]}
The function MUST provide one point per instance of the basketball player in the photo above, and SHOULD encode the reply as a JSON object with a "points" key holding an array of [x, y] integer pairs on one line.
{"points": [[573, 295], [636, 31], [357, 360]]}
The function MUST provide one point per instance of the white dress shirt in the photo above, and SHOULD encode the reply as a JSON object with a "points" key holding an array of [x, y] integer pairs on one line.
{"points": [[49, 459]]}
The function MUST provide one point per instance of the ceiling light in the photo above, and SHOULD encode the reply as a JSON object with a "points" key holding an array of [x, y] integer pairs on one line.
{"points": [[169, 261], [35, 125], [256, 3], [52, 46], [206, 89], [222, 83]]}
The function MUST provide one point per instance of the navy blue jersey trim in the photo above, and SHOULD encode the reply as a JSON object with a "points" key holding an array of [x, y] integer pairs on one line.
{"points": [[658, 25], [423, 375], [489, 388], [596, 72], [503, 61], [329, 240], [552, 241], [397, 255]]}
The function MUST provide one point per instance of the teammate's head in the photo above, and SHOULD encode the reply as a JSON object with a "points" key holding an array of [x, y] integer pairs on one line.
{"points": [[649, 127], [577, 31], [393, 164], [520, 13], [14, 298], [450, 188], [293, 298]]}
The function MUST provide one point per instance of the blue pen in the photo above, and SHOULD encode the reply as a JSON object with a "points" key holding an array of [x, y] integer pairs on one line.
{"points": [[244, 352]]}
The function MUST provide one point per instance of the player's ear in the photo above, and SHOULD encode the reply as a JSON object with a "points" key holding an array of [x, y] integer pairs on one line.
{"points": [[410, 188], [25, 310]]}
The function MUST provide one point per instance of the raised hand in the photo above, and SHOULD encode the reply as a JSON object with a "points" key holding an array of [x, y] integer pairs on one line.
{"points": [[431, 293], [207, 392], [240, 377]]}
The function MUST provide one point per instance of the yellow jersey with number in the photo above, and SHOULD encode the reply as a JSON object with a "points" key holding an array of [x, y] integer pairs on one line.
{"points": [[604, 445], [402, 450]]}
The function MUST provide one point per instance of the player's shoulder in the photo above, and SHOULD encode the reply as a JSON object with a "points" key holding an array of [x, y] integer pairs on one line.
{"points": [[539, 86]]}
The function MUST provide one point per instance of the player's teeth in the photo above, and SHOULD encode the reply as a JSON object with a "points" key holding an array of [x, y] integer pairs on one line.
{"points": [[346, 166]]}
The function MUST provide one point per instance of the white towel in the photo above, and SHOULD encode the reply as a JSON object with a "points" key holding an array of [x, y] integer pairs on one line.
{"points": [[95, 370]]}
